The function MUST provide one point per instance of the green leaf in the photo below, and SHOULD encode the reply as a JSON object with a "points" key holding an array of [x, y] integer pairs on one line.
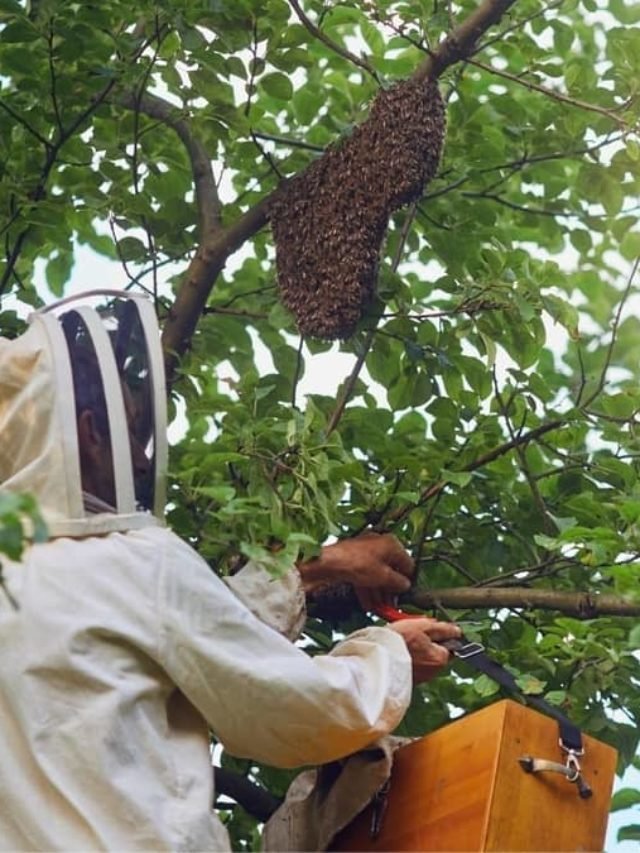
{"points": [[217, 493], [58, 271], [624, 798], [11, 537], [21, 30], [634, 637], [630, 245], [626, 13], [277, 85], [307, 103], [633, 150], [485, 686], [530, 685], [556, 697], [631, 832], [373, 37], [131, 249], [459, 478], [564, 313]]}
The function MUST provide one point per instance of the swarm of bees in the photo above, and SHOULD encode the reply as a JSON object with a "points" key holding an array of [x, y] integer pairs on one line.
{"points": [[329, 221]]}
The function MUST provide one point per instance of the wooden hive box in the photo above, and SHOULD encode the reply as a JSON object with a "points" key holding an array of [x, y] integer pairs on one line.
{"points": [[463, 788]]}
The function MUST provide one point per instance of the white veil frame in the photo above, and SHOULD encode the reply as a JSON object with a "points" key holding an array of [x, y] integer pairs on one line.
{"points": [[123, 473]]}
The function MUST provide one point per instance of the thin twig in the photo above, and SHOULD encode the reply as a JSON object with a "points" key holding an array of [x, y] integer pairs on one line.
{"points": [[52, 75], [336, 48], [443, 558], [17, 117], [207, 198], [230, 312], [461, 41], [349, 385], [251, 85], [297, 373], [267, 156], [515, 166], [517, 26], [116, 243], [551, 93], [435, 488], [614, 331], [521, 451], [258, 290], [368, 341], [532, 571], [286, 140], [512, 205]]}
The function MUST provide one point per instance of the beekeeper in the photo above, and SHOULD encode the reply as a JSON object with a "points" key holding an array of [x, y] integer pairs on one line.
{"points": [[121, 650]]}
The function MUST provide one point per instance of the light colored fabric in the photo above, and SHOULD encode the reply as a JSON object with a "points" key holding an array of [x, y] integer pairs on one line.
{"points": [[124, 647], [278, 602], [321, 802]]}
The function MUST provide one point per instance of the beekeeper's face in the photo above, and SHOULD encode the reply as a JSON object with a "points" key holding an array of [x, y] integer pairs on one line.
{"points": [[96, 458]]}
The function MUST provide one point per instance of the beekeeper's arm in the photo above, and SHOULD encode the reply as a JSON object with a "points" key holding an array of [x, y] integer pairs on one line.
{"points": [[376, 565], [263, 697]]}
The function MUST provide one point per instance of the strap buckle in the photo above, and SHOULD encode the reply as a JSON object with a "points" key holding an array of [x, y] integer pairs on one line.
{"points": [[462, 649], [570, 750]]}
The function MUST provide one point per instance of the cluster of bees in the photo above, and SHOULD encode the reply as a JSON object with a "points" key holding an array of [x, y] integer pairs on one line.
{"points": [[330, 220]]}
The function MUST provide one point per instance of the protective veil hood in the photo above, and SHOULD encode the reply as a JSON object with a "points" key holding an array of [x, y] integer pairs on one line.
{"points": [[71, 350]]}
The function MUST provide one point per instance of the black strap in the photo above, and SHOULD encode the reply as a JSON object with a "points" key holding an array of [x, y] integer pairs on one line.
{"points": [[475, 656]]}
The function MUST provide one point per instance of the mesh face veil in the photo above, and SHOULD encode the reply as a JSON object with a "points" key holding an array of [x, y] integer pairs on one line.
{"points": [[114, 353]]}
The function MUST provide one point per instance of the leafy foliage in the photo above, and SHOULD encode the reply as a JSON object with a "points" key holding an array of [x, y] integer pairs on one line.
{"points": [[20, 522], [491, 416]]}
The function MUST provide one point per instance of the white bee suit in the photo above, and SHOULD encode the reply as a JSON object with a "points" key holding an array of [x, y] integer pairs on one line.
{"points": [[125, 648]]}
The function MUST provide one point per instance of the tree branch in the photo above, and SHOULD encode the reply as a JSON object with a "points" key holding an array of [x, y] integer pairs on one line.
{"points": [[207, 200], [211, 256], [582, 605], [461, 42], [200, 277]]}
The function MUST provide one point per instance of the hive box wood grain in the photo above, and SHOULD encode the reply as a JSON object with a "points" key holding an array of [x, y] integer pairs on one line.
{"points": [[462, 788]]}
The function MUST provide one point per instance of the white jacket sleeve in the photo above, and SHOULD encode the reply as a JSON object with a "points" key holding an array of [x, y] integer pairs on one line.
{"points": [[278, 602], [263, 697]]}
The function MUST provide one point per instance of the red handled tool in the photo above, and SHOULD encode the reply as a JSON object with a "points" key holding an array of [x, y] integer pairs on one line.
{"points": [[460, 647], [394, 614]]}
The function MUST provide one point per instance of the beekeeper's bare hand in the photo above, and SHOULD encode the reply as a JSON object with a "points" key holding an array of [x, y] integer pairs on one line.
{"points": [[421, 637], [375, 564]]}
